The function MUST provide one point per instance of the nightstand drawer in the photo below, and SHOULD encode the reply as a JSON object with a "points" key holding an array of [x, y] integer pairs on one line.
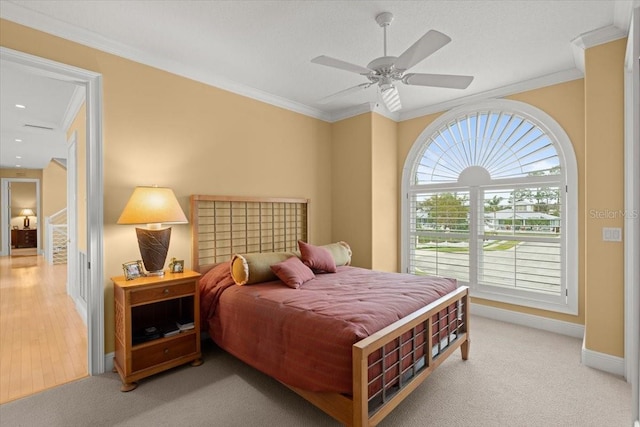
{"points": [[166, 351], [147, 295]]}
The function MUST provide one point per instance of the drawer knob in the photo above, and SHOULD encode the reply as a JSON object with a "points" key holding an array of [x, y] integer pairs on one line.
{"points": [[166, 351], [166, 291]]}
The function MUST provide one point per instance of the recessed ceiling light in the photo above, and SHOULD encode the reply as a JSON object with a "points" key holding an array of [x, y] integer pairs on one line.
{"points": [[20, 106], [18, 157], [18, 140]]}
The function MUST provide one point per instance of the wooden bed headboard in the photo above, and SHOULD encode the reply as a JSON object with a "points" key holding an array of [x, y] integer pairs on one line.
{"points": [[225, 225]]}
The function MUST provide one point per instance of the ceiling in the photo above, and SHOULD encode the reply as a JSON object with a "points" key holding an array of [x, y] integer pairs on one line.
{"points": [[30, 137], [263, 49]]}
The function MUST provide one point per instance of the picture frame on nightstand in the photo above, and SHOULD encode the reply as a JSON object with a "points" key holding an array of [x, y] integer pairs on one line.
{"points": [[133, 269], [177, 266]]}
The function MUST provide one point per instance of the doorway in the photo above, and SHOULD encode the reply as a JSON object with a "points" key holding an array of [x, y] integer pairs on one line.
{"points": [[92, 84], [20, 227]]}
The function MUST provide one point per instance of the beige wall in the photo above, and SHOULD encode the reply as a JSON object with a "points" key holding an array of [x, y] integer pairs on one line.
{"points": [[54, 189], [385, 202], [54, 193], [351, 185], [365, 189], [162, 129], [23, 196], [604, 190]]}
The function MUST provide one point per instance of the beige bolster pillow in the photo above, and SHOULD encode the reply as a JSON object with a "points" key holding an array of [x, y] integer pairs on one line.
{"points": [[247, 269], [341, 252]]}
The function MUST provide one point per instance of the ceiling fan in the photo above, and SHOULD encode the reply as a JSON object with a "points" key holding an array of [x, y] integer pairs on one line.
{"points": [[386, 71]]}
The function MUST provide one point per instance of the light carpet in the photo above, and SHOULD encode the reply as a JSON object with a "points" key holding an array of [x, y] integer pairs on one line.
{"points": [[515, 376]]}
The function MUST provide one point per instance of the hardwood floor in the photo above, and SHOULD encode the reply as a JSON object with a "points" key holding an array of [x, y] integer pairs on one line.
{"points": [[43, 340]]}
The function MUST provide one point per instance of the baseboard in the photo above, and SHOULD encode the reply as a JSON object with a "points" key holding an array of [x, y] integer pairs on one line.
{"points": [[538, 322], [108, 361], [593, 359], [603, 362]]}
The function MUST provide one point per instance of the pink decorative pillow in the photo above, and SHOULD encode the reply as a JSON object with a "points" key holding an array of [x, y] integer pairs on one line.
{"points": [[317, 258], [292, 272]]}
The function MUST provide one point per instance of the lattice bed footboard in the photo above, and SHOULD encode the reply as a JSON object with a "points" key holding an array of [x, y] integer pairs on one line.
{"points": [[389, 364], [442, 326], [392, 362]]}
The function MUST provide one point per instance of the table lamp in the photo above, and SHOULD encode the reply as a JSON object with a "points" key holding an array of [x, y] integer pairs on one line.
{"points": [[26, 213], [153, 206]]}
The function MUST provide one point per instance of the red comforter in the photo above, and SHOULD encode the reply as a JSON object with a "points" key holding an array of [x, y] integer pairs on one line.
{"points": [[303, 337]]}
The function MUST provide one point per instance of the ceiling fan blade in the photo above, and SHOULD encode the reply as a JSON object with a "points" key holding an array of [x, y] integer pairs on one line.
{"points": [[333, 97], [425, 46], [343, 65], [391, 98], [438, 80]]}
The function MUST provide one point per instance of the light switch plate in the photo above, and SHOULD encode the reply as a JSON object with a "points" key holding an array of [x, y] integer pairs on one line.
{"points": [[612, 234]]}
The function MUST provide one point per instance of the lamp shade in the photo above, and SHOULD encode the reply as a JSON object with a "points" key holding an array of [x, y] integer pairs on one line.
{"points": [[26, 212], [152, 205]]}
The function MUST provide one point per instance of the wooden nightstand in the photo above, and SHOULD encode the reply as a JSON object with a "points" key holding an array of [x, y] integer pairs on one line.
{"points": [[155, 302]]}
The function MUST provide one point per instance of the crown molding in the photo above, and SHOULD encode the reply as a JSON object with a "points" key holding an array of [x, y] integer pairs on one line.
{"points": [[535, 83], [367, 107], [380, 108], [591, 39], [21, 15], [349, 112]]}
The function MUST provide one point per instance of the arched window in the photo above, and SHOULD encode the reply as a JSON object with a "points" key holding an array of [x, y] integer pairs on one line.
{"points": [[491, 200]]}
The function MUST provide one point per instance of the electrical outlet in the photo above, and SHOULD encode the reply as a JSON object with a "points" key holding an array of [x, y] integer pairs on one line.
{"points": [[611, 234]]}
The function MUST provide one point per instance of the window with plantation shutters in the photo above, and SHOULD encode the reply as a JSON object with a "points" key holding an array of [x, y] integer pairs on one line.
{"points": [[490, 199]]}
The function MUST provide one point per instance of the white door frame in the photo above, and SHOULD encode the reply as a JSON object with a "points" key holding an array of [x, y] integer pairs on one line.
{"points": [[632, 212], [5, 215], [92, 82]]}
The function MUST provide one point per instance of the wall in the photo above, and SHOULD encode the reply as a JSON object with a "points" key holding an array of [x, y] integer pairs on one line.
{"points": [[159, 128], [351, 185], [23, 196], [54, 189], [54, 193], [365, 189], [385, 181], [604, 201]]}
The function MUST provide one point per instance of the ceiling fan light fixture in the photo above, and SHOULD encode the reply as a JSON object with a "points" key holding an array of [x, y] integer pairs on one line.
{"points": [[391, 98]]}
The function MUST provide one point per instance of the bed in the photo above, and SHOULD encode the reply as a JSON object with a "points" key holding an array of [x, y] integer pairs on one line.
{"points": [[340, 340]]}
